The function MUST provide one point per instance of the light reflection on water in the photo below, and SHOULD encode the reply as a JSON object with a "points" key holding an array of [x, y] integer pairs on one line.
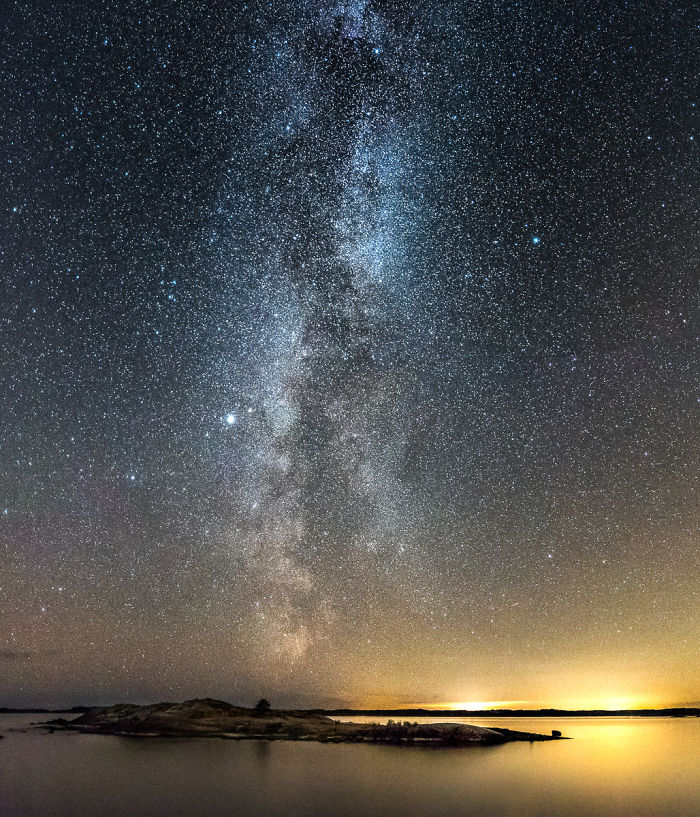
{"points": [[614, 767]]}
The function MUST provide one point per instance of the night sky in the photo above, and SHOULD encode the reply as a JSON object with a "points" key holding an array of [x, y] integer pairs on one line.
{"points": [[349, 352]]}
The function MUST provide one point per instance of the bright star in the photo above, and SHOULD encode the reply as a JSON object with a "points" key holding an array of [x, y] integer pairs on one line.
{"points": [[230, 419], [535, 239]]}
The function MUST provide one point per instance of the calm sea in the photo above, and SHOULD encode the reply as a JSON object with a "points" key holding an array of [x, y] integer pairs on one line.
{"points": [[614, 767]]}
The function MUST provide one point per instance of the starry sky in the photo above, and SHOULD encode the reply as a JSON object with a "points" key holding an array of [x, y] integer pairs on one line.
{"points": [[349, 352]]}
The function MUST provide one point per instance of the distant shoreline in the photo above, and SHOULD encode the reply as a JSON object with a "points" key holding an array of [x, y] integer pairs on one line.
{"points": [[674, 712]]}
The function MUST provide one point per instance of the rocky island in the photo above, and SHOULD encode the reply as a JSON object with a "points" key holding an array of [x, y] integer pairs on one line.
{"points": [[211, 718]]}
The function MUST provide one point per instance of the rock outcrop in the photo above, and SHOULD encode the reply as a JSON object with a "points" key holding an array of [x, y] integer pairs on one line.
{"points": [[211, 718]]}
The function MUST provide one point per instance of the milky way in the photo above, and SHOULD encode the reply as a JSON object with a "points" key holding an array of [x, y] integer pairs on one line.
{"points": [[349, 352]]}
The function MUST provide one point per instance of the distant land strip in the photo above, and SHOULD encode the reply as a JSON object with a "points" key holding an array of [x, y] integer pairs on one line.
{"points": [[675, 712]]}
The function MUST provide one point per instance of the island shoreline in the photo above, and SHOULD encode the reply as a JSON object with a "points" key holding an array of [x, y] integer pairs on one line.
{"points": [[218, 719]]}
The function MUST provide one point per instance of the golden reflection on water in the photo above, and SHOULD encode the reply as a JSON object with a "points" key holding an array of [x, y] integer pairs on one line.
{"points": [[643, 766]]}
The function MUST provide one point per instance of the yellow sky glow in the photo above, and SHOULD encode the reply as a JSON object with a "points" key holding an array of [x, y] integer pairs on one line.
{"points": [[611, 702]]}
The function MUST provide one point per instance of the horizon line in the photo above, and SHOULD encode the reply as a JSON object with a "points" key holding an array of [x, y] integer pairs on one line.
{"points": [[428, 708]]}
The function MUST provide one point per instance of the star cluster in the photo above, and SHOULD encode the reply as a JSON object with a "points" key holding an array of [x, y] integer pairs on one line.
{"points": [[349, 352]]}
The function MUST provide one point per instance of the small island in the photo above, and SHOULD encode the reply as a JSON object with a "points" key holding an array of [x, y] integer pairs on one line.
{"points": [[211, 718]]}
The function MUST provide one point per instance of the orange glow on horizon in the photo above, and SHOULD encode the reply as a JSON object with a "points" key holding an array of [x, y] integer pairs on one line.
{"points": [[611, 702]]}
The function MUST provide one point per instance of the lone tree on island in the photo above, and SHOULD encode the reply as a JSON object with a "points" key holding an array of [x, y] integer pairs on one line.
{"points": [[262, 707]]}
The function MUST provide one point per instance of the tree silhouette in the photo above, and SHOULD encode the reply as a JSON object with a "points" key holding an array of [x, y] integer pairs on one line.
{"points": [[262, 707]]}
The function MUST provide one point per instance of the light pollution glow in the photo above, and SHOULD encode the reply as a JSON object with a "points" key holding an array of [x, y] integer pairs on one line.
{"points": [[606, 703]]}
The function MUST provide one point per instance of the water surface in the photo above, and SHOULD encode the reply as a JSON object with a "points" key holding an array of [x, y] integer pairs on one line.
{"points": [[614, 767]]}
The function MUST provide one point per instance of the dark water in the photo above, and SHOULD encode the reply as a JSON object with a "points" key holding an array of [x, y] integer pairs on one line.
{"points": [[614, 768]]}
